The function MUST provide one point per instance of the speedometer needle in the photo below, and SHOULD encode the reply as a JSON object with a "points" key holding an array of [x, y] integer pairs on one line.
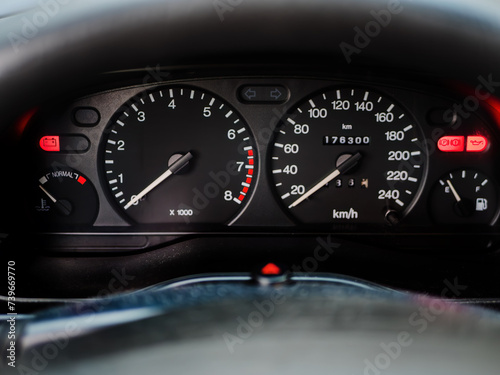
{"points": [[344, 167], [173, 169]]}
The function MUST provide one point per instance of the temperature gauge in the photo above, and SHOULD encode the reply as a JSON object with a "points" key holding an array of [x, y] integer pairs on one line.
{"points": [[65, 196], [464, 197]]}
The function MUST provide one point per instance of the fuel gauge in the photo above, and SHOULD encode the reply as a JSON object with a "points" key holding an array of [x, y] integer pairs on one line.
{"points": [[65, 197], [464, 197]]}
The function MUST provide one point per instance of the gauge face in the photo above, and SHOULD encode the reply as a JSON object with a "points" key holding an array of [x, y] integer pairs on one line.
{"points": [[464, 197], [65, 197], [348, 155], [179, 155]]}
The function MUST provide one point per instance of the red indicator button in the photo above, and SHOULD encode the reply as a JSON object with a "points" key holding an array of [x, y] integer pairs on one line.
{"points": [[82, 180], [270, 269], [451, 143], [50, 143], [476, 143]]}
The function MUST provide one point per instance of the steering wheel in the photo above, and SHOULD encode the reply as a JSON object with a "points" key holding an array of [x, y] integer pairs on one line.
{"points": [[56, 46]]}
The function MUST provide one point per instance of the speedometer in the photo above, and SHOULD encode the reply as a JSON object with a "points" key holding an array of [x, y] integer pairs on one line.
{"points": [[348, 155]]}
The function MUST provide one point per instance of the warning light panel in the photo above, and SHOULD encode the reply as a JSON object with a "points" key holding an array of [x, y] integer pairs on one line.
{"points": [[451, 143], [50, 143], [476, 143]]}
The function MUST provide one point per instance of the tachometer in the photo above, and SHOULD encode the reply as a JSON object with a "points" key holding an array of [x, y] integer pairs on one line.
{"points": [[179, 155], [348, 155]]}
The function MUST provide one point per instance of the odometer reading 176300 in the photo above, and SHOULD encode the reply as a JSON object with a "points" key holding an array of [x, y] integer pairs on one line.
{"points": [[348, 155], [179, 155]]}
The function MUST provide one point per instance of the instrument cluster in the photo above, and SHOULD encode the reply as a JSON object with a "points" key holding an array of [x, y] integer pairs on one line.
{"points": [[261, 154]]}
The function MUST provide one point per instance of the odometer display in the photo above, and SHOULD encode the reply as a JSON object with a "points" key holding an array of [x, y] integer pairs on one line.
{"points": [[380, 143], [179, 155]]}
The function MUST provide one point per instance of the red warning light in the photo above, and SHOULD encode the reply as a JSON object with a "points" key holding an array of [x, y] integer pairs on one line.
{"points": [[82, 180], [451, 143], [271, 269], [476, 143], [50, 143]]}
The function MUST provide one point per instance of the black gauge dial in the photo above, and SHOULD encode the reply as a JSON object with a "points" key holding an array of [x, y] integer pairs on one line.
{"points": [[65, 197], [464, 197], [179, 155], [348, 155]]}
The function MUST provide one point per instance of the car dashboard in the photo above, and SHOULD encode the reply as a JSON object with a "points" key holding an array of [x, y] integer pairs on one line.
{"points": [[202, 167]]}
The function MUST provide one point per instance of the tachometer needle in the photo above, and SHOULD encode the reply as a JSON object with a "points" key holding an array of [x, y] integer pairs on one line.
{"points": [[173, 169], [455, 194], [344, 167]]}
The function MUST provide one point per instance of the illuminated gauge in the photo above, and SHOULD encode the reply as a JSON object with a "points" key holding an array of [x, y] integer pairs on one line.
{"points": [[65, 197], [348, 155], [464, 197], [179, 155]]}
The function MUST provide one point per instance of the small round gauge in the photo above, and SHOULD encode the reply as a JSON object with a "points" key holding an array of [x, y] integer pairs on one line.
{"points": [[65, 197], [348, 155], [464, 197], [179, 155]]}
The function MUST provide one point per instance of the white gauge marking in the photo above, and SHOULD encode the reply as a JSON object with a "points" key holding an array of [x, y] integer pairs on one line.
{"points": [[399, 202], [415, 153], [390, 108], [211, 102], [152, 98], [412, 179], [120, 123], [312, 103], [403, 115], [484, 182], [111, 142], [109, 161], [280, 145], [112, 182], [241, 130], [290, 121], [285, 196], [365, 98], [277, 171], [134, 108], [171, 93], [43, 180], [119, 194], [191, 96], [229, 114], [409, 127]]}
